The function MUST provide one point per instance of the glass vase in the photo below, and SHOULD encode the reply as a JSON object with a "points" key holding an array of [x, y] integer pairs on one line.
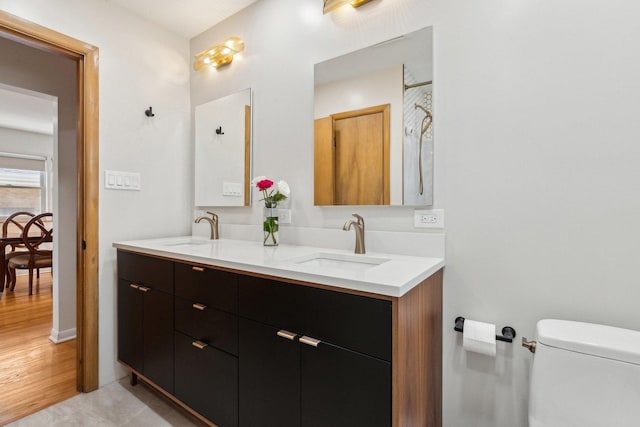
{"points": [[270, 227]]}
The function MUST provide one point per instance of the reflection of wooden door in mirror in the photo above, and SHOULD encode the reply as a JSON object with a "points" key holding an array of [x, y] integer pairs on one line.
{"points": [[352, 158], [324, 174]]}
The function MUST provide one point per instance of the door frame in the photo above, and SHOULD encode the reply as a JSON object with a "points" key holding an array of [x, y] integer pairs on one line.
{"points": [[22, 31]]}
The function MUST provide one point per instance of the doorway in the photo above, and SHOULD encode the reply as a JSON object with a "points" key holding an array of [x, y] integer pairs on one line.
{"points": [[86, 233]]}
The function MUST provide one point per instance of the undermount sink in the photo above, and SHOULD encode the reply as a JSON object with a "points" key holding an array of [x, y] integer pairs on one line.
{"points": [[187, 243], [328, 260]]}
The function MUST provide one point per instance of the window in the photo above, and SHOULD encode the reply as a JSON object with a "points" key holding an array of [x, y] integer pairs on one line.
{"points": [[23, 185]]}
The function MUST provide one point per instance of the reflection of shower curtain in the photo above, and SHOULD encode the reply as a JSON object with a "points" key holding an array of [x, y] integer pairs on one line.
{"points": [[413, 123]]}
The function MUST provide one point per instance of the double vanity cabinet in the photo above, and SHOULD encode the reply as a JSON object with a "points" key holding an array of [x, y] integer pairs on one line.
{"points": [[240, 348]]}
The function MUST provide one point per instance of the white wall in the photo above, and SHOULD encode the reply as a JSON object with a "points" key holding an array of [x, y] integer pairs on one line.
{"points": [[140, 65], [536, 160], [536, 110]]}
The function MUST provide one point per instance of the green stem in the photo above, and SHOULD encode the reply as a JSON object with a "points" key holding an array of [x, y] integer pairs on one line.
{"points": [[269, 227]]}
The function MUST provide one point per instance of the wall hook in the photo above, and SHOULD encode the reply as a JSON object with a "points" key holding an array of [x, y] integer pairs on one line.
{"points": [[219, 131], [149, 112]]}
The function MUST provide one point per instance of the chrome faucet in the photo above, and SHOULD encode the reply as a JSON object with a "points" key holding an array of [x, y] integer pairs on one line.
{"points": [[213, 222], [358, 226]]}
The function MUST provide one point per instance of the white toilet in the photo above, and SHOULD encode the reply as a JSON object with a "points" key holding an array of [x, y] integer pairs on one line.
{"points": [[585, 375]]}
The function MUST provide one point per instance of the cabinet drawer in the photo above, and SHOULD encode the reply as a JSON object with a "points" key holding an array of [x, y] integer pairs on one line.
{"points": [[213, 288], [141, 269], [209, 325], [358, 323], [207, 380]]}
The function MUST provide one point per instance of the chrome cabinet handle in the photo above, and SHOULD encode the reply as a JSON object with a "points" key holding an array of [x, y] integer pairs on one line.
{"points": [[309, 341], [199, 344], [197, 268], [144, 288], [198, 306], [286, 334], [134, 286]]}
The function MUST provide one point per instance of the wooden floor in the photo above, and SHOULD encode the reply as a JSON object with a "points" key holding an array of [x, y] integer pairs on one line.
{"points": [[34, 372]]}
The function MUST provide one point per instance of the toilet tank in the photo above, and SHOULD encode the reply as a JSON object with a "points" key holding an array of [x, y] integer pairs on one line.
{"points": [[585, 375]]}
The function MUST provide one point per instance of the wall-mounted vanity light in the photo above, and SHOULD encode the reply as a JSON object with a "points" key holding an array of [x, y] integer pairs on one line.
{"points": [[218, 55], [330, 5]]}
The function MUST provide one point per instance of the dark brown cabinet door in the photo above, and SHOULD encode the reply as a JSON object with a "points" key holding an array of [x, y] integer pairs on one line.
{"points": [[130, 338], [286, 383], [342, 388], [158, 338], [269, 377], [207, 380], [145, 316]]}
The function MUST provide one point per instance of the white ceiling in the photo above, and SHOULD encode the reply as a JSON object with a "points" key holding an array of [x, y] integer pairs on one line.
{"points": [[185, 17]]}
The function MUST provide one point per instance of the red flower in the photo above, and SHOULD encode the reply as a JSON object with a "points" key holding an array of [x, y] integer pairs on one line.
{"points": [[264, 184]]}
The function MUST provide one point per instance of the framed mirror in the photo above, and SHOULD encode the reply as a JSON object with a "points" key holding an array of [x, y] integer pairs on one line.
{"points": [[373, 140], [223, 151]]}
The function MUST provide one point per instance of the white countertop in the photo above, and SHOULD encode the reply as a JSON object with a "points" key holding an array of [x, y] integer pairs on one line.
{"points": [[395, 276]]}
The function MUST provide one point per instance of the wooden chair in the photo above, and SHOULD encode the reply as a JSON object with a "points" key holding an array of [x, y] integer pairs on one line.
{"points": [[14, 224], [37, 256]]}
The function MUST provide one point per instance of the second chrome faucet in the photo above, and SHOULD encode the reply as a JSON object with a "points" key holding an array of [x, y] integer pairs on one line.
{"points": [[358, 227], [213, 222]]}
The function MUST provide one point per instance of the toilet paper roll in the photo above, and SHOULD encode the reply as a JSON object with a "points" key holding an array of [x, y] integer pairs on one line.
{"points": [[479, 337]]}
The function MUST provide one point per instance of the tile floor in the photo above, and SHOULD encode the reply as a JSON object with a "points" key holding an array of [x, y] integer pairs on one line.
{"points": [[116, 404]]}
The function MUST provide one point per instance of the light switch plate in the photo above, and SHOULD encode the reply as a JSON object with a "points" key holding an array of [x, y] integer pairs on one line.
{"points": [[233, 189], [116, 180]]}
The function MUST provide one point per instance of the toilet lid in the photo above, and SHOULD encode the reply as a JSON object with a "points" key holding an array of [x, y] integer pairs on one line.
{"points": [[592, 339]]}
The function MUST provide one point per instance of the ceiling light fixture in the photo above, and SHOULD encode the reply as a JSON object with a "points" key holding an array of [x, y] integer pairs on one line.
{"points": [[330, 5], [218, 55]]}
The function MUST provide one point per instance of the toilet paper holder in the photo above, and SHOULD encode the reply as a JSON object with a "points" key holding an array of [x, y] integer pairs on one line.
{"points": [[508, 333]]}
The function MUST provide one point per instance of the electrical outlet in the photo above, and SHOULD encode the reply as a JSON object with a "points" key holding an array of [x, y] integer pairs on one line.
{"points": [[433, 218], [284, 216]]}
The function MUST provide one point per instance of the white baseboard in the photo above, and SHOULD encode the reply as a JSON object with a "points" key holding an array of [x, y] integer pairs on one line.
{"points": [[62, 336]]}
